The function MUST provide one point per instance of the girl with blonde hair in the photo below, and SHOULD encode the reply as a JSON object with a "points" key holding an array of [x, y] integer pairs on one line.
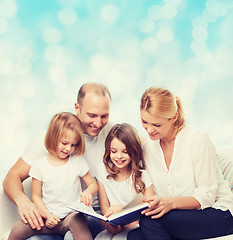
{"points": [[56, 182]]}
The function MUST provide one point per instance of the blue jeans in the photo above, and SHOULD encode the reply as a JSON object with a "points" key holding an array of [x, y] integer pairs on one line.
{"points": [[46, 237], [68, 236], [185, 224]]}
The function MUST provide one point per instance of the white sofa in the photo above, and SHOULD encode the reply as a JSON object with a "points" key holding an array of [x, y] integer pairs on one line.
{"points": [[9, 214]]}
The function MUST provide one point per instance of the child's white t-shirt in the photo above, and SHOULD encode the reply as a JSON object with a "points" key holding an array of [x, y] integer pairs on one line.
{"points": [[61, 185], [120, 192], [95, 147]]}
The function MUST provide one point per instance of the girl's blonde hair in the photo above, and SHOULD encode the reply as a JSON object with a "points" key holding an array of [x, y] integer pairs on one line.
{"points": [[160, 102], [127, 135], [58, 127]]}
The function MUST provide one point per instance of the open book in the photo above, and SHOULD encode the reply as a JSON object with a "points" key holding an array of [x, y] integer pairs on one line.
{"points": [[129, 213]]}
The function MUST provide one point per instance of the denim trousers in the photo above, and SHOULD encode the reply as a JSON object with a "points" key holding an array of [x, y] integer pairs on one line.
{"points": [[184, 224]]}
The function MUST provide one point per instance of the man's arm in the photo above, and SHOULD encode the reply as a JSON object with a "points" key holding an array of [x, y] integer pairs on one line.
{"points": [[13, 187]]}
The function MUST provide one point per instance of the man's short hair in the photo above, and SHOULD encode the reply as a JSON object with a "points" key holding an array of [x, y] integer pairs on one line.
{"points": [[97, 88]]}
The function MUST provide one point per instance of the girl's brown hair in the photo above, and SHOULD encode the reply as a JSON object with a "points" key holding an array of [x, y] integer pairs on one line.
{"points": [[127, 135], [162, 103], [58, 127]]}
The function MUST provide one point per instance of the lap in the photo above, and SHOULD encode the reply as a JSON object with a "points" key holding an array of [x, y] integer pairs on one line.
{"points": [[189, 224]]}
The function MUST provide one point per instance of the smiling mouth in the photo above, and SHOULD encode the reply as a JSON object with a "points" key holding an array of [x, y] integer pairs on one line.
{"points": [[120, 162], [95, 128], [153, 134]]}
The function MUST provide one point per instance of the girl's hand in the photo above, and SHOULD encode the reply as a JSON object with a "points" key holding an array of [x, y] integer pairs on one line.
{"points": [[113, 209], [111, 228], [86, 198], [52, 221], [158, 206]]}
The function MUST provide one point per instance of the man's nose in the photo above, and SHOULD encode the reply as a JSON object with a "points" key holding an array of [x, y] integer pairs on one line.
{"points": [[98, 122]]}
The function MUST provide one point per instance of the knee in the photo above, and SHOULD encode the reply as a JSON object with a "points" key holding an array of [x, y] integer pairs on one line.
{"points": [[135, 235], [18, 231], [78, 220]]}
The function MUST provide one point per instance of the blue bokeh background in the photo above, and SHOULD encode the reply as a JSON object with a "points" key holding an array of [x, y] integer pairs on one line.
{"points": [[49, 48]]}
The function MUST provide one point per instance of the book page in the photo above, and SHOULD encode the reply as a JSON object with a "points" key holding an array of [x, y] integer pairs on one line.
{"points": [[81, 207], [137, 200]]}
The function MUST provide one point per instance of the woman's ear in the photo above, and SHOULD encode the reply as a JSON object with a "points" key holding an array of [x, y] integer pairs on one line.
{"points": [[175, 117]]}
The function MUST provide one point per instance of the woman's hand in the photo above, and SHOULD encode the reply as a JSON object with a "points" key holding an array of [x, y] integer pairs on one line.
{"points": [[52, 221], [158, 206], [113, 209], [112, 228], [86, 198]]}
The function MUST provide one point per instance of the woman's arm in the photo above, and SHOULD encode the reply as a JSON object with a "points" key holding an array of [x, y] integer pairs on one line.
{"points": [[87, 195]]}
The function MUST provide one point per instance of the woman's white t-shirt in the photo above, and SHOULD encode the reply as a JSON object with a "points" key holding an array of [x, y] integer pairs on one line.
{"points": [[61, 185], [193, 170]]}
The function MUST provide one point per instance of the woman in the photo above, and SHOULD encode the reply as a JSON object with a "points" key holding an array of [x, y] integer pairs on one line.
{"points": [[192, 200]]}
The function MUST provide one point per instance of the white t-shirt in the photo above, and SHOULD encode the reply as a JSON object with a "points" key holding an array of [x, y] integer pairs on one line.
{"points": [[193, 170], [95, 147], [120, 192], [93, 155], [61, 185]]}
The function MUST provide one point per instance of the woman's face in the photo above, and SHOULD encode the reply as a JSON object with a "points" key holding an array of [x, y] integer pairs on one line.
{"points": [[157, 128]]}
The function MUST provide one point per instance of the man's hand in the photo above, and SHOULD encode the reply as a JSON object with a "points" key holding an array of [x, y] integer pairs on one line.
{"points": [[30, 214]]}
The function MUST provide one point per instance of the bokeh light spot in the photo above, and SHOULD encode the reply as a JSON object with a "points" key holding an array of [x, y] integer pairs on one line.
{"points": [[8, 8], [165, 35], [67, 16], [149, 45], [110, 13], [52, 36], [146, 25], [154, 12]]}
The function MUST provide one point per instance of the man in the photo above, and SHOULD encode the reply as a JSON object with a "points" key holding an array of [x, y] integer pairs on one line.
{"points": [[92, 108]]}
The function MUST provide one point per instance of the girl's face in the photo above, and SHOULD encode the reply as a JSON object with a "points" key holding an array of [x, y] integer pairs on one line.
{"points": [[157, 128], [118, 154], [67, 145]]}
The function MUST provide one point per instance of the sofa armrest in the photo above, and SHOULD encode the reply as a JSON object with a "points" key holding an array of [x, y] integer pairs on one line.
{"points": [[9, 213]]}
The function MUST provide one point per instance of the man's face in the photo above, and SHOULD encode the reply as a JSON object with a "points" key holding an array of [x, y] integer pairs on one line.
{"points": [[93, 113]]}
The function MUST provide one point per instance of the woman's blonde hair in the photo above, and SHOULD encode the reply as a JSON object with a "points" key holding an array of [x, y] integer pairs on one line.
{"points": [[58, 127], [162, 103], [128, 135]]}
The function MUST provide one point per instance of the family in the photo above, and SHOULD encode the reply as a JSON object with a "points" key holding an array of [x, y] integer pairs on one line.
{"points": [[86, 158]]}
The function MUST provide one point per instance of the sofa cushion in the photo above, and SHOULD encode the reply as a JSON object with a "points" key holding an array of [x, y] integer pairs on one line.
{"points": [[225, 161]]}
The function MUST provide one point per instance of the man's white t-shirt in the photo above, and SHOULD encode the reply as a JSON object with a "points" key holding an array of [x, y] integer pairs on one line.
{"points": [[120, 192], [61, 184]]}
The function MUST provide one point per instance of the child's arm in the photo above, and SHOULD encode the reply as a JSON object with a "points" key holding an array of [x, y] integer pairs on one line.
{"points": [[148, 193], [104, 207], [103, 198], [87, 195], [51, 220]]}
